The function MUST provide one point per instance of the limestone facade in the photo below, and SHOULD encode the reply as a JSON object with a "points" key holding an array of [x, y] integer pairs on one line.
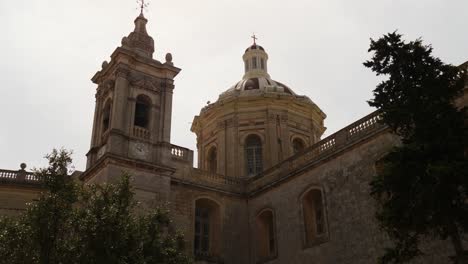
{"points": [[268, 188]]}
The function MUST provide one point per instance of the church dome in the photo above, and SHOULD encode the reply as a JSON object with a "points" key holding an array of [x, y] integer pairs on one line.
{"points": [[256, 123], [257, 86], [255, 47], [256, 80]]}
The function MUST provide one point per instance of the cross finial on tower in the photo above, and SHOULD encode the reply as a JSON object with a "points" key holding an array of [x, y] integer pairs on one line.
{"points": [[254, 39], [142, 4]]}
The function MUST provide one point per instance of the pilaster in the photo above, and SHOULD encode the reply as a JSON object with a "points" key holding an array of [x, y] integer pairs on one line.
{"points": [[119, 105], [221, 128], [167, 91]]}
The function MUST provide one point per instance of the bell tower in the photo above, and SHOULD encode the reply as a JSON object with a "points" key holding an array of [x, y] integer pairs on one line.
{"points": [[132, 117]]}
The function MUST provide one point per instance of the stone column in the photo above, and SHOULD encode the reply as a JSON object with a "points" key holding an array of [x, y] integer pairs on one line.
{"points": [[91, 156], [271, 141], [117, 142], [131, 105], [120, 102], [199, 148], [167, 112], [236, 167], [96, 123], [221, 127], [231, 147], [155, 121], [285, 140]]}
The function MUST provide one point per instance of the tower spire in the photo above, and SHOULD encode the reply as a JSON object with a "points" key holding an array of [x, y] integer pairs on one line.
{"points": [[139, 40]]}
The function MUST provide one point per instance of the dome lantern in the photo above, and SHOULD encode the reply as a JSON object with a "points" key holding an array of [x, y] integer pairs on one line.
{"points": [[255, 61]]}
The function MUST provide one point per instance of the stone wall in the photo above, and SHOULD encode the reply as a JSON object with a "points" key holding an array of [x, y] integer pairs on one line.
{"points": [[14, 199], [234, 226], [340, 165], [353, 233]]}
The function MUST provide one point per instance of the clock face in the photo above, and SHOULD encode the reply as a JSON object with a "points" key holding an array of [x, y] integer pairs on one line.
{"points": [[139, 150]]}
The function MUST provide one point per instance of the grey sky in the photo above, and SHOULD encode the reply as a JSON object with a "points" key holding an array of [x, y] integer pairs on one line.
{"points": [[51, 49]]}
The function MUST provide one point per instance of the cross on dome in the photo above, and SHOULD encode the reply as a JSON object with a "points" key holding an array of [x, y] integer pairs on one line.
{"points": [[254, 39], [142, 4]]}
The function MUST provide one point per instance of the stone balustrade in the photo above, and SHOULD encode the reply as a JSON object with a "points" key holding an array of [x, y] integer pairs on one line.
{"points": [[141, 132], [18, 177], [211, 180], [338, 141], [206, 257], [215, 178], [181, 153]]}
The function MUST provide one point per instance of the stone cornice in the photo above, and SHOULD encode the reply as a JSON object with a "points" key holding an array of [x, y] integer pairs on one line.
{"points": [[119, 161], [337, 144], [130, 59], [301, 105]]}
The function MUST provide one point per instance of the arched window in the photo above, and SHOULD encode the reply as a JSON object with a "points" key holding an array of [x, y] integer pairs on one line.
{"points": [[298, 145], [142, 111], [212, 160], [253, 154], [314, 217], [266, 236], [207, 229], [106, 116]]}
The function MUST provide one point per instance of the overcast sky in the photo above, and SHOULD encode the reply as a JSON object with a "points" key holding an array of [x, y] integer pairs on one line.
{"points": [[51, 49]]}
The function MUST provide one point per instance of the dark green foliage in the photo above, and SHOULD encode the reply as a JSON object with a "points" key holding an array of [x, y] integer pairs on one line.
{"points": [[94, 224], [422, 186]]}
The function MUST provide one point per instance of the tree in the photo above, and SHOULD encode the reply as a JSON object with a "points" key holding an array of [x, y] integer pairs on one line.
{"points": [[421, 187], [70, 223]]}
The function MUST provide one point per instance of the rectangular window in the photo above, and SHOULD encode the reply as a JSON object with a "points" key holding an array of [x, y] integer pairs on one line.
{"points": [[254, 63], [246, 65], [262, 63]]}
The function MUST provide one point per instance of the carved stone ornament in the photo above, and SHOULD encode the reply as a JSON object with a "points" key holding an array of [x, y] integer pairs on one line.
{"points": [[122, 72], [271, 117], [169, 58], [233, 122], [104, 88], [143, 81], [104, 64], [124, 42], [109, 83]]}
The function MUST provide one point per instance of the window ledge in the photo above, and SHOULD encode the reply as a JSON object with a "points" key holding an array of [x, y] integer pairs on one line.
{"points": [[267, 259], [316, 241], [201, 257]]}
